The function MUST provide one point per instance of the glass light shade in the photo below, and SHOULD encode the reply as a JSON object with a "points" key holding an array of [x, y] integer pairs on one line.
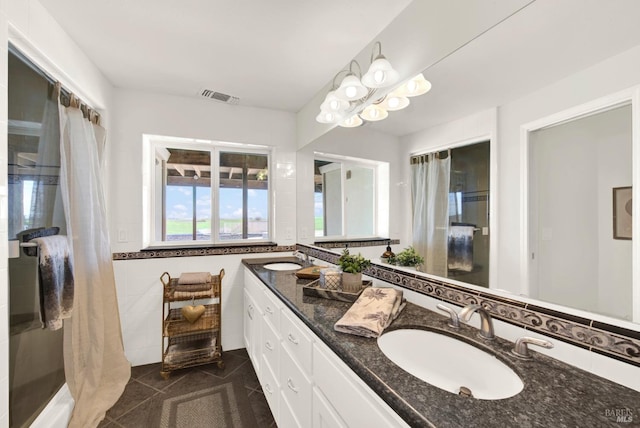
{"points": [[415, 86], [328, 117], [395, 102], [373, 113], [351, 89], [381, 74], [352, 122], [334, 104]]}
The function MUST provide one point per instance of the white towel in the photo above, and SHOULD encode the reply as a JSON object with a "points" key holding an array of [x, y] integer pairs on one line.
{"points": [[374, 310], [56, 280]]}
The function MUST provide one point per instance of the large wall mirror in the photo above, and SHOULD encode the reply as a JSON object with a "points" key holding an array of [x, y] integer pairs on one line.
{"points": [[578, 248], [550, 237]]}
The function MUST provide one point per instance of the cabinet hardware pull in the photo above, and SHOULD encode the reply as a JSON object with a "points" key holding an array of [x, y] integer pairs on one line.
{"points": [[292, 386], [267, 387], [269, 310], [268, 345], [292, 339], [250, 312]]}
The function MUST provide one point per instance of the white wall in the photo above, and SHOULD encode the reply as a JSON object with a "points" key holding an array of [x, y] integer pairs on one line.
{"points": [[138, 284], [138, 113]]}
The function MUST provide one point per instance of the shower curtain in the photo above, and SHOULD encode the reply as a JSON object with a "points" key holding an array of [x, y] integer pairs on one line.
{"points": [[430, 202], [96, 369]]}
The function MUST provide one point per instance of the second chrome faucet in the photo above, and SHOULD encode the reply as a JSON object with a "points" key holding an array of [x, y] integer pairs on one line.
{"points": [[486, 323]]}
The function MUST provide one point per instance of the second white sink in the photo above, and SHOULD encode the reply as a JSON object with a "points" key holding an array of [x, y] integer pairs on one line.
{"points": [[282, 266], [450, 364]]}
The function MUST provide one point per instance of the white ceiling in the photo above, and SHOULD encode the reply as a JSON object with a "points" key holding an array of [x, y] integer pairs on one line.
{"points": [[279, 53], [541, 44], [270, 53]]}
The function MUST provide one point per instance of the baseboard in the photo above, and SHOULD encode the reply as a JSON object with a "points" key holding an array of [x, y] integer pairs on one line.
{"points": [[58, 411]]}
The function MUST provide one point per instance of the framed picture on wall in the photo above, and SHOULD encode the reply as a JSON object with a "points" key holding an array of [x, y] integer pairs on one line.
{"points": [[622, 214]]}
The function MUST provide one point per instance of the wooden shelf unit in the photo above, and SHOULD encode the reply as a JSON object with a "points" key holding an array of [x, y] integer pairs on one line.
{"points": [[186, 344]]}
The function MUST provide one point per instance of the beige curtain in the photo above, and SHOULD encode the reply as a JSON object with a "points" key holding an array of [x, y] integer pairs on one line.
{"points": [[95, 365]]}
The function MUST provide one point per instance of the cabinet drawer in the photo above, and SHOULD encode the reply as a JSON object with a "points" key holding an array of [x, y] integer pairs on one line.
{"points": [[271, 348], [271, 307], [296, 388], [296, 340], [271, 390]]}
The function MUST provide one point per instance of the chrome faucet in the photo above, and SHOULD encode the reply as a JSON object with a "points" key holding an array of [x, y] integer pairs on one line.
{"points": [[302, 256], [522, 350], [454, 322], [486, 324]]}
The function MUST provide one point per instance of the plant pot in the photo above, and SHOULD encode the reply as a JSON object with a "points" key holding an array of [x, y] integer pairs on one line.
{"points": [[351, 282]]}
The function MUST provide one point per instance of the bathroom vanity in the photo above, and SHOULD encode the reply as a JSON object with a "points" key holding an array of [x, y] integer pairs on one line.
{"points": [[315, 376]]}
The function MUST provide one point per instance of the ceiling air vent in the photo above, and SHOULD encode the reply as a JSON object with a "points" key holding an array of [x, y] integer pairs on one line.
{"points": [[218, 96]]}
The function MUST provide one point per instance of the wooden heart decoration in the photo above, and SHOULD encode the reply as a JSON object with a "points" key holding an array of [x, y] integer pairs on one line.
{"points": [[192, 313]]}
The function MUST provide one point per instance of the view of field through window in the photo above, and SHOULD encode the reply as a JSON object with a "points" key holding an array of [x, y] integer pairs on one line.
{"points": [[242, 208]]}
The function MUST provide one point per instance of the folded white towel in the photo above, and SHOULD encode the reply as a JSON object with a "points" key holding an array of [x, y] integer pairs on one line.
{"points": [[194, 278], [374, 310]]}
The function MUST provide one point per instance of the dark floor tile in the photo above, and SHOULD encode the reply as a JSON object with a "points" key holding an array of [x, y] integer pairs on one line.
{"points": [[154, 380], [249, 376], [139, 371], [261, 409], [106, 423], [242, 352], [193, 381], [138, 416], [134, 394], [231, 363]]}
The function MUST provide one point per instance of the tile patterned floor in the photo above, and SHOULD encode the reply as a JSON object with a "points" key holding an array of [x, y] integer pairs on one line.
{"points": [[132, 410]]}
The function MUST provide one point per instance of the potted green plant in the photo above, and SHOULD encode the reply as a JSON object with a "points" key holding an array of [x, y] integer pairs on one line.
{"points": [[409, 257], [352, 267]]}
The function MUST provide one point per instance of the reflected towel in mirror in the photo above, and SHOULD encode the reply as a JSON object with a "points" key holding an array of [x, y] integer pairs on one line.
{"points": [[461, 248]]}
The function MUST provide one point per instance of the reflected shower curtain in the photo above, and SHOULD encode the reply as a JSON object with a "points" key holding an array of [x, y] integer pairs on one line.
{"points": [[96, 369], [47, 167], [430, 202]]}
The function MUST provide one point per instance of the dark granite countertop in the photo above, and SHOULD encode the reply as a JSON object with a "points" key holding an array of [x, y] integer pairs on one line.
{"points": [[555, 394]]}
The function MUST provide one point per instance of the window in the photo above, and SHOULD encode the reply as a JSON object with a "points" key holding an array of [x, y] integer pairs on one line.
{"points": [[347, 195], [206, 192]]}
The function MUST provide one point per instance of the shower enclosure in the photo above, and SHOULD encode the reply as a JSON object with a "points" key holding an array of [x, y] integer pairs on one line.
{"points": [[36, 370]]}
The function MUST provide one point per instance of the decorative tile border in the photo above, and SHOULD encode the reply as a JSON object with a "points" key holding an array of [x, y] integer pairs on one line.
{"points": [[208, 251], [605, 339], [356, 243]]}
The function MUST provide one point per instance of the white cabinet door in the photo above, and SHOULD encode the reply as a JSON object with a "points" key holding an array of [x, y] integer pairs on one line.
{"points": [[324, 415], [353, 400], [252, 320]]}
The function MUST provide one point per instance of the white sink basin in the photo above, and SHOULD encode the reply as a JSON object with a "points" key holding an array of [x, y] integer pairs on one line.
{"points": [[282, 266], [449, 363]]}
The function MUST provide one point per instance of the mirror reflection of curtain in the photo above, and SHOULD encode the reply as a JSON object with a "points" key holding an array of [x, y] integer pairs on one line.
{"points": [[430, 201], [95, 365], [47, 169]]}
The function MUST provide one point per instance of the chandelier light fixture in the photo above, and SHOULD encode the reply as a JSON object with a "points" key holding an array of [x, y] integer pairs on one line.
{"points": [[343, 103]]}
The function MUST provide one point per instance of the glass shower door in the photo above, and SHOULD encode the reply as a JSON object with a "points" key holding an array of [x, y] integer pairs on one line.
{"points": [[36, 370]]}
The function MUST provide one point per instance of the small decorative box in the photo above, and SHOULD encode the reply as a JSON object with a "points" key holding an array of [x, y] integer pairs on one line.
{"points": [[313, 289], [330, 279]]}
